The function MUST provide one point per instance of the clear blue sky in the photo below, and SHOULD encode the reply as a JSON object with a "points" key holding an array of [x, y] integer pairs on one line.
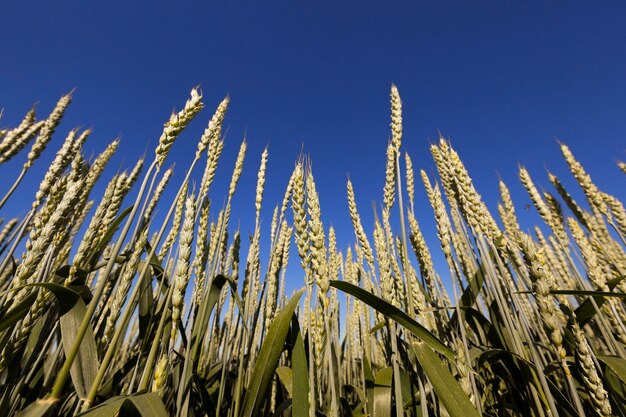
{"points": [[503, 80]]}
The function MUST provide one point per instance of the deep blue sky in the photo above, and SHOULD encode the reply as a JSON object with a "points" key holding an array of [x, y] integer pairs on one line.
{"points": [[503, 80]]}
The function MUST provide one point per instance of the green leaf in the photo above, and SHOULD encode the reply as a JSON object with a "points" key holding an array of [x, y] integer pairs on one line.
{"points": [[617, 365], [200, 325], [470, 294], [300, 373], [377, 327], [108, 408], [563, 403], [146, 404], [156, 264], [286, 377], [410, 391], [40, 408], [206, 307], [85, 365], [369, 381], [396, 315], [202, 396], [587, 311], [445, 386], [66, 297], [266, 362], [382, 393]]}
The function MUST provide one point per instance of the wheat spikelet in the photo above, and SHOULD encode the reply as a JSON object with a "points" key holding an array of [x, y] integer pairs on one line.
{"points": [[214, 129], [334, 257], [58, 165], [543, 282], [181, 276], [260, 185], [542, 207], [178, 217], [300, 222], [384, 265], [92, 234], [585, 359], [40, 239], [158, 193], [319, 261], [215, 236], [617, 213], [176, 124], [396, 118], [134, 173], [119, 193], [160, 374], [24, 273], [202, 250], [591, 191], [511, 225], [441, 156], [6, 230], [276, 261], [597, 276], [410, 180], [238, 168], [48, 128], [470, 202], [389, 191], [214, 152], [358, 227], [422, 253], [20, 142], [100, 163], [444, 228], [8, 136], [12, 141], [569, 200]]}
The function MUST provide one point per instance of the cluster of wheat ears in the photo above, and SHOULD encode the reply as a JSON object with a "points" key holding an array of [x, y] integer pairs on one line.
{"points": [[103, 312]]}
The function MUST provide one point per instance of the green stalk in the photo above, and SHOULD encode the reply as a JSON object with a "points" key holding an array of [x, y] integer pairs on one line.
{"points": [[397, 387], [13, 187]]}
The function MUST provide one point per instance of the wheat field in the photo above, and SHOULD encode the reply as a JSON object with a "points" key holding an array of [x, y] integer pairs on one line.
{"points": [[106, 312]]}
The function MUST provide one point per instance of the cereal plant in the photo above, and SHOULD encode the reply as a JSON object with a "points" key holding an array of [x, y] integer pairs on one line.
{"points": [[105, 311]]}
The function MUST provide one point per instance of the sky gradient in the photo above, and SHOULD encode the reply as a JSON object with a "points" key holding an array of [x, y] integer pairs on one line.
{"points": [[503, 80]]}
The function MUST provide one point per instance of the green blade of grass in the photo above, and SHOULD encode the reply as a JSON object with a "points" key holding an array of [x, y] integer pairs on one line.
{"points": [[85, 366], [270, 352], [300, 374], [396, 315], [617, 365], [146, 404], [382, 393], [286, 378], [446, 387]]}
